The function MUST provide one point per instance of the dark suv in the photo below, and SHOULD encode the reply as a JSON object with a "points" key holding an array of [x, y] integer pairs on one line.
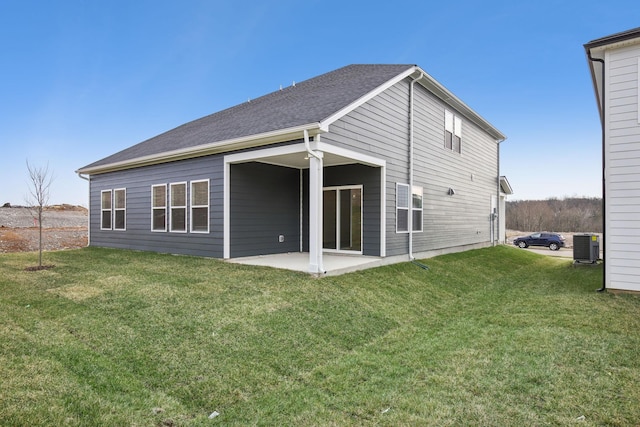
{"points": [[553, 241]]}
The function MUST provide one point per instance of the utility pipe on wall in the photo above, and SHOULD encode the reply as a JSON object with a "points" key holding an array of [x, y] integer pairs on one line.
{"points": [[411, 161], [604, 199]]}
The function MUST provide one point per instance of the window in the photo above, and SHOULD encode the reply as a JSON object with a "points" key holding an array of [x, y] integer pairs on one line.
{"points": [[416, 208], [119, 209], [408, 203], [105, 210], [402, 208], [178, 204], [159, 207], [452, 132], [200, 206]]}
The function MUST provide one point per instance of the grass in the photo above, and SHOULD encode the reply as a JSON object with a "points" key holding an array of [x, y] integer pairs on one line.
{"points": [[497, 336]]}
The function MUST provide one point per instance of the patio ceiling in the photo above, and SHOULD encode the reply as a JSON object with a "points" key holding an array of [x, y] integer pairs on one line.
{"points": [[300, 160]]}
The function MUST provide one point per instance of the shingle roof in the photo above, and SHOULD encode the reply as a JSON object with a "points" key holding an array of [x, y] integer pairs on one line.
{"points": [[310, 101]]}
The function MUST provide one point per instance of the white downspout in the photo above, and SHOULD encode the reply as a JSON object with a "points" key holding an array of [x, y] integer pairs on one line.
{"points": [[411, 161], [315, 207], [88, 179]]}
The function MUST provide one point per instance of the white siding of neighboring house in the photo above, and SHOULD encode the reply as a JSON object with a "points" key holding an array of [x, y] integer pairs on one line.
{"points": [[622, 168]]}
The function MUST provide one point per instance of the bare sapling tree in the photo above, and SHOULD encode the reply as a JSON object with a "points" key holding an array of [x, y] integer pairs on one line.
{"points": [[40, 179]]}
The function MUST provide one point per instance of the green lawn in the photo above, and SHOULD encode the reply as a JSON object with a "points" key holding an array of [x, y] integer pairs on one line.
{"points": [[497, 336]]}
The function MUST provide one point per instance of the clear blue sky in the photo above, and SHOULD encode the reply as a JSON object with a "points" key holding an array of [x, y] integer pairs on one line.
{"points": [[83, 79]]}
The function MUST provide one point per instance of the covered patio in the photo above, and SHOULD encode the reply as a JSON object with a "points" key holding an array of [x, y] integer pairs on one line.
{"points": [[316, 256]]}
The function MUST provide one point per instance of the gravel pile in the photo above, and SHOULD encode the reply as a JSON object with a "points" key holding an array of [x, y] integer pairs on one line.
{"points": [[20, 217]]}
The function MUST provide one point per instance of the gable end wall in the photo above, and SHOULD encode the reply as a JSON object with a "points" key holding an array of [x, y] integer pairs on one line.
{"points": [[380, 127]]}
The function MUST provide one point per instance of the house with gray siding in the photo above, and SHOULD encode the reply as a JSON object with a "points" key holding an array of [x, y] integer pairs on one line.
{"points": [[368, 160], [614, 63]]}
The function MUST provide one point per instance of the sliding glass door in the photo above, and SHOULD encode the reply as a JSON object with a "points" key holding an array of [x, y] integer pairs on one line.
{"points": [[342, 219]]}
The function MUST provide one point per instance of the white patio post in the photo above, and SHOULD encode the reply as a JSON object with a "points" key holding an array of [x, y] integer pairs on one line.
{"points": [[315, 212]]}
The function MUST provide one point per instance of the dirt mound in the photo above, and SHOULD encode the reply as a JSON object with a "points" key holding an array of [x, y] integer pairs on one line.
{"points": [[63, 227]]}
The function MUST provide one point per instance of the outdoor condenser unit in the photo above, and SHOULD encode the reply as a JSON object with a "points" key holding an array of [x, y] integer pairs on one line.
{"points": [[586, 248]]}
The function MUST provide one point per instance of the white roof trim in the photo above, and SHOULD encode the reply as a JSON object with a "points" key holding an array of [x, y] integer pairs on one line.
{"points": [[324, 125], [207, 149], [505, 187]]}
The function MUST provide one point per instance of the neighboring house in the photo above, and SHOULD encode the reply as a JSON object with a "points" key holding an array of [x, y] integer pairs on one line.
{"points": [[371, 160], [614, 62]]}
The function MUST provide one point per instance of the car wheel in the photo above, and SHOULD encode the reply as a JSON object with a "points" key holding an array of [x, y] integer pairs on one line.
{"points": [[554, 246], [522, 244]]}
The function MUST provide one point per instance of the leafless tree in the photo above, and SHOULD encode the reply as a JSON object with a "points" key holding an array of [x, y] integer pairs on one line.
{"points": [[40, 179], [578, 214]]}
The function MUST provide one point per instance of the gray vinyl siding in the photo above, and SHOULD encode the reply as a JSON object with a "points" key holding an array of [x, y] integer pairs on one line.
{"points": [[265, 204], [381, 128], [138, 234], [623, 169]]}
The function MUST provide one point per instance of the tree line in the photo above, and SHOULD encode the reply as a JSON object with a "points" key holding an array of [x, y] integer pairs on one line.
{"points": [[563, 215]]}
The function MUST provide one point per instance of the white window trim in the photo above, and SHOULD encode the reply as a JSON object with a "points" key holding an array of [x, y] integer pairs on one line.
{"points": [[115, 209], [110, 210], [453, 124], [417, 190], [153, 208], [409, 208], [406, 208], [199, 206], [184, 207]]}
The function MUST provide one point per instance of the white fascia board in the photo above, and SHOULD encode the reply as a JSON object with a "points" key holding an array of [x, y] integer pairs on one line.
{"points": [[257, 140], [324, 125], [343, 152], [252, 155], [505, 187]]}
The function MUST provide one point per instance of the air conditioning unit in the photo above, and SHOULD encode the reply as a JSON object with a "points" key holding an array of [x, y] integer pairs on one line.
{"points": [[586, 248]]}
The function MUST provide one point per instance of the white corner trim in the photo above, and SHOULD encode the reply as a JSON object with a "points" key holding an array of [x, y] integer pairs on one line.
{"points": [[226, 233], [383, 211]]}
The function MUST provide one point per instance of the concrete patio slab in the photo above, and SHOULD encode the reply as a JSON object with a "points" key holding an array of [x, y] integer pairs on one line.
{"points": [[334, 264]]}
